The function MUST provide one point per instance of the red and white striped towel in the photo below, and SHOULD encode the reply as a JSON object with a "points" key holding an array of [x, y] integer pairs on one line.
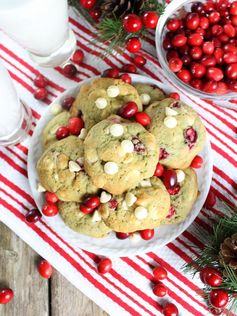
{"points": [[126, 290]]}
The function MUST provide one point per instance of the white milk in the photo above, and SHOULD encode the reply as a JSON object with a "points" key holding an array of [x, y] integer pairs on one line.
{"points": [[41, 26], [10, 108]]}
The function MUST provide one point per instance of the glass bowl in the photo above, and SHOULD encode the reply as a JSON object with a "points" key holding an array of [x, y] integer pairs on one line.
{"points": [[177, 9]]}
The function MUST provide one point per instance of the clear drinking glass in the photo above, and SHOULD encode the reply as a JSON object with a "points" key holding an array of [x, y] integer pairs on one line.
{"points": [[15, 116], [41, 27]]}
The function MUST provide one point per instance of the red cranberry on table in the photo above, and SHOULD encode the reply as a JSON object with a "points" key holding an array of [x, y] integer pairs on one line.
{"points": [[133, 45], [40, 94], [6, 295], [128, 110], [87, 4], [70, 71], [210, 200], [197, 162], [111, 73], [211, 276], [62, 132], [75, 124], [122, 235], [160, 289], [51, 197], [104, 266], [33, 215], [160, 273], [139, 60], [45, 269], [78, 57], [40, 81], [170, 310], [50, 210], [143, 118], [129, 68], [126, 78], [67, 103], [218, 298], [150, 19], [132, 23], [147, 234]]}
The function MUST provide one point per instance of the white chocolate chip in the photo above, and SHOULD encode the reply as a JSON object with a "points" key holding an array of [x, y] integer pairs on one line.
{"points": [[170, 122], [74, 166], [130, 199], [113, 91], [105, 197], [116, 130], [140, 212], [145, 183], [56, 108], [101, 103], [124, 205], [111, 168], [135, 237], [40, 188], [83, 133], [170, 112], [96, 217], [127, 146], [180, 175], [145, 98]]}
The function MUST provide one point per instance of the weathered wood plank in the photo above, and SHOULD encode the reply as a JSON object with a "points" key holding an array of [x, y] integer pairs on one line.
{"points": [[18, 271], [67, 300]]}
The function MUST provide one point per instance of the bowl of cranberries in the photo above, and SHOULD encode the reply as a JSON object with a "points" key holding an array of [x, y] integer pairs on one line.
{"points": [[197, 47]]}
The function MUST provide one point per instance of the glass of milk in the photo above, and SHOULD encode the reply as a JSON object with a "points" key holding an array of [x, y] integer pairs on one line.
{"points": [[41, 27], [15, 117]]}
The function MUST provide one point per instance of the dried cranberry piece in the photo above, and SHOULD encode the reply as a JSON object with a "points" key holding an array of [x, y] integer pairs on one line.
{"points": [[175, 190], [163, 154], [172, 212], [113, 203], [139, 147], [175, 105], [190, 136]]}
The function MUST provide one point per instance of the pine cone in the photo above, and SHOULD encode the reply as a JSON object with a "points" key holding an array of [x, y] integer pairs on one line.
{"points": [[120, 8], [228, 252]]}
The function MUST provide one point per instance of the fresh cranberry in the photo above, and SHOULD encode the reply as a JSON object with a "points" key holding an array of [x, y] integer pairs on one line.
{"points": [[113, 203], [169, 178], [196, 52], [196, 83], [195, 39], [208, 7], [214, 17], [197, 162], [173, 25], [175, 190], [40, 81], [174, 95], [133, 45], [175, 64], [75, 124], [142, 118], [229, 30], [197, 7], [171, 213], [218, 298], [51, 197], [40, 94], [172, 54], [183, 50], [159, 170], [234, 20], [233, 8], [111, 73], [139, 60], [218, 54], [122, 235], [214, 73], [232, 85], [230, 48], [223, 38], [6, 295], [231, 71], [163, 154], [147, 234], [104, 266], [200, 31], [170, 310], [210, 200], [197, 70], [86, 210], [179, 40], [150, 19], [70, 71], [92, 202], [67, 103], [230, 58], [138, 145], [95, 14], [211, 276], [50, 210], [160, 290], [128, 110], [132, 23], [184, 75], [222, 88], [126, 78], [204, 23], [167, 44], [160, 273], [210, 87], [78, 57], [208, 48], [192, 21], [62, 132], [33, 216], [45, 269], [129, 68], [190, 136], [186, 59]]}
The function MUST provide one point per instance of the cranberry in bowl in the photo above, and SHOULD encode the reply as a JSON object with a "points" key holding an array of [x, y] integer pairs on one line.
{"points": [[196, 44]]}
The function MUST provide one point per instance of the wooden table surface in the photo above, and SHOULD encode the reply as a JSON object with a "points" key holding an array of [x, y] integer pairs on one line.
{"points": [[35, 296]]}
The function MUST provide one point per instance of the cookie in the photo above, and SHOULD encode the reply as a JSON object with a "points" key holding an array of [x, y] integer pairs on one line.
{"points": [[49, 132], [103, 97], [179, 132], [141, 208], [60, 170], [182, 202], [119, 154], [149, 93], [87, 224]]}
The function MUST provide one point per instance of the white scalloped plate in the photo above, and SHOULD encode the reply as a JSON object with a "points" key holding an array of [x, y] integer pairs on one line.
{"points": [[111, 246]]}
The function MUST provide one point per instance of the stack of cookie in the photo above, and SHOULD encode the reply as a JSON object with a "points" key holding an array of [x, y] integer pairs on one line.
{"points": [[119, 159]]}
